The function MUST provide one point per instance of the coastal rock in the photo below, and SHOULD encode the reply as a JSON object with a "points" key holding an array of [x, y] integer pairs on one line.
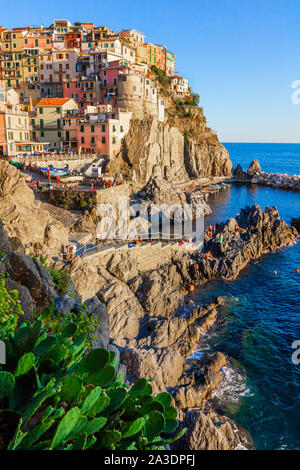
{"points": [[182, 147], [160, 191], [245, 237], [29, 228], [27, 303], [296, 224], [164, 366], [33, 276], [4, 242], [64, 304], [207, 430], [123, 307], [254, 168], [100, 315]]}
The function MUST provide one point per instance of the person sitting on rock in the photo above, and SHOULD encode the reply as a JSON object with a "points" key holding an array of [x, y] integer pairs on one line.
{"points": [[196, 267], [238, 229], [71, 250], [297, 270], [98, 243]]}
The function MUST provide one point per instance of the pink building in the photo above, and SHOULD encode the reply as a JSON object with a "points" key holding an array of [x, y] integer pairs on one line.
{"points": [[84, 92], [109, 77], [103, 133]]}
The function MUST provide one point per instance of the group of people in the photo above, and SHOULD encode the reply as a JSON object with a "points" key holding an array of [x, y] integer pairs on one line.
{"points": [[103, 184], [211, 230]]}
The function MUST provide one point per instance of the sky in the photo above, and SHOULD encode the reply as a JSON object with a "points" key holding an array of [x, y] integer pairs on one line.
{"points": [[240, 56]]}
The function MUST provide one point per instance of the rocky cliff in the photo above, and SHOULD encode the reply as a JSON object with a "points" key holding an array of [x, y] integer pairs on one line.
{"points": [[29, 228], [181, 147]]}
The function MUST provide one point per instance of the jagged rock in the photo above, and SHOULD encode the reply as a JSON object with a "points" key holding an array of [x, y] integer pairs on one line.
{"points": [[254, 168], [160, 191], [64, 304], [100, 315], [33, 276], [296, 224], [4, 242], [29, 228], [122, 265], [175, 150], [207, 430], [125, 312], [25, 298], [248, 236], [164, 366]]}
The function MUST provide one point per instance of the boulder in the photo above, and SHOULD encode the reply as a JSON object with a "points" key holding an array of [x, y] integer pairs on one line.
{"points": [[207, 430], [124, 309], [165, 366], [27, 303], [29, 228], [33, 276], [100, 315], [4, 242], [64, 304], [296, 224], [254, 168]]}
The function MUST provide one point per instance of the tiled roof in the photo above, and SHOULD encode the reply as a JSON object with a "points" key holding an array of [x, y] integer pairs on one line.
{"points": [[52, 101]]}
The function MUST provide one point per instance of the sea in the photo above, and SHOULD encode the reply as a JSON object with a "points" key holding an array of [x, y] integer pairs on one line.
{"points": [[260, 319]]}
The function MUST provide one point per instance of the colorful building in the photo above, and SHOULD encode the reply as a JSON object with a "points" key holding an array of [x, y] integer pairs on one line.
{"points": [[51, 113], [103, 132]]}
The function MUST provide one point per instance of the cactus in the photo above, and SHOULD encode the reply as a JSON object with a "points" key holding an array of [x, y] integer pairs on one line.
{"points": [[57, 398], [154, 425], [7, 384], [65, 427], [25, 363]]}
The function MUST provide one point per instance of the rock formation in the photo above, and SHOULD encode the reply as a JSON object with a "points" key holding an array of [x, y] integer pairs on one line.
{"points": [[245, 237], [177, 149], [254, 175], [254, 168], [29, 228]]}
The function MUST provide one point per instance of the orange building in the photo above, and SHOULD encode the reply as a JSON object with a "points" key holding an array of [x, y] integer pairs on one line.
{"points": [[156, 55]]}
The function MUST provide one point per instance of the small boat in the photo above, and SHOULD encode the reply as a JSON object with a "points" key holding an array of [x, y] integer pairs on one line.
{"points": [[54, 171]]}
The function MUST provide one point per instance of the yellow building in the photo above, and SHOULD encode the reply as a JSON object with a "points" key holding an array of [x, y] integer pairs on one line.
{"points": [[51, 113], [15, 130]]}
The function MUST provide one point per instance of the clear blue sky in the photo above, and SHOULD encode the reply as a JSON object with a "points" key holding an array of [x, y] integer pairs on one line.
{"points": [[241, 56]]}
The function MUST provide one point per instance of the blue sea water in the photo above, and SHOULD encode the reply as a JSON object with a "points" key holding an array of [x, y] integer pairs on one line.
{"points": [[276, 158], [261, 320]]}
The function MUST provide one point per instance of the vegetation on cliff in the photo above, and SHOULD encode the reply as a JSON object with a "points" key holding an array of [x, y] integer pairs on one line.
{"points": [[55, 394]]}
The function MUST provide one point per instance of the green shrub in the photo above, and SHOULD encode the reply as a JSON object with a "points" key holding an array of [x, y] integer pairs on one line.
{"points": [[161, 76], [10, 310], [55, 396]]}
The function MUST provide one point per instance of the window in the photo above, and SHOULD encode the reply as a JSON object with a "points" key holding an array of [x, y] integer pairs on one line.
{"points": [[81, 128], [41, 110], [114, 140], [58, 123], [114, 128], [103, 128], [92, 128], [103, 140], [42, 134], [41, 123], [68, 85], [59, 134], [92, 140], [82, 140], [121, 129], [115, 81]]}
